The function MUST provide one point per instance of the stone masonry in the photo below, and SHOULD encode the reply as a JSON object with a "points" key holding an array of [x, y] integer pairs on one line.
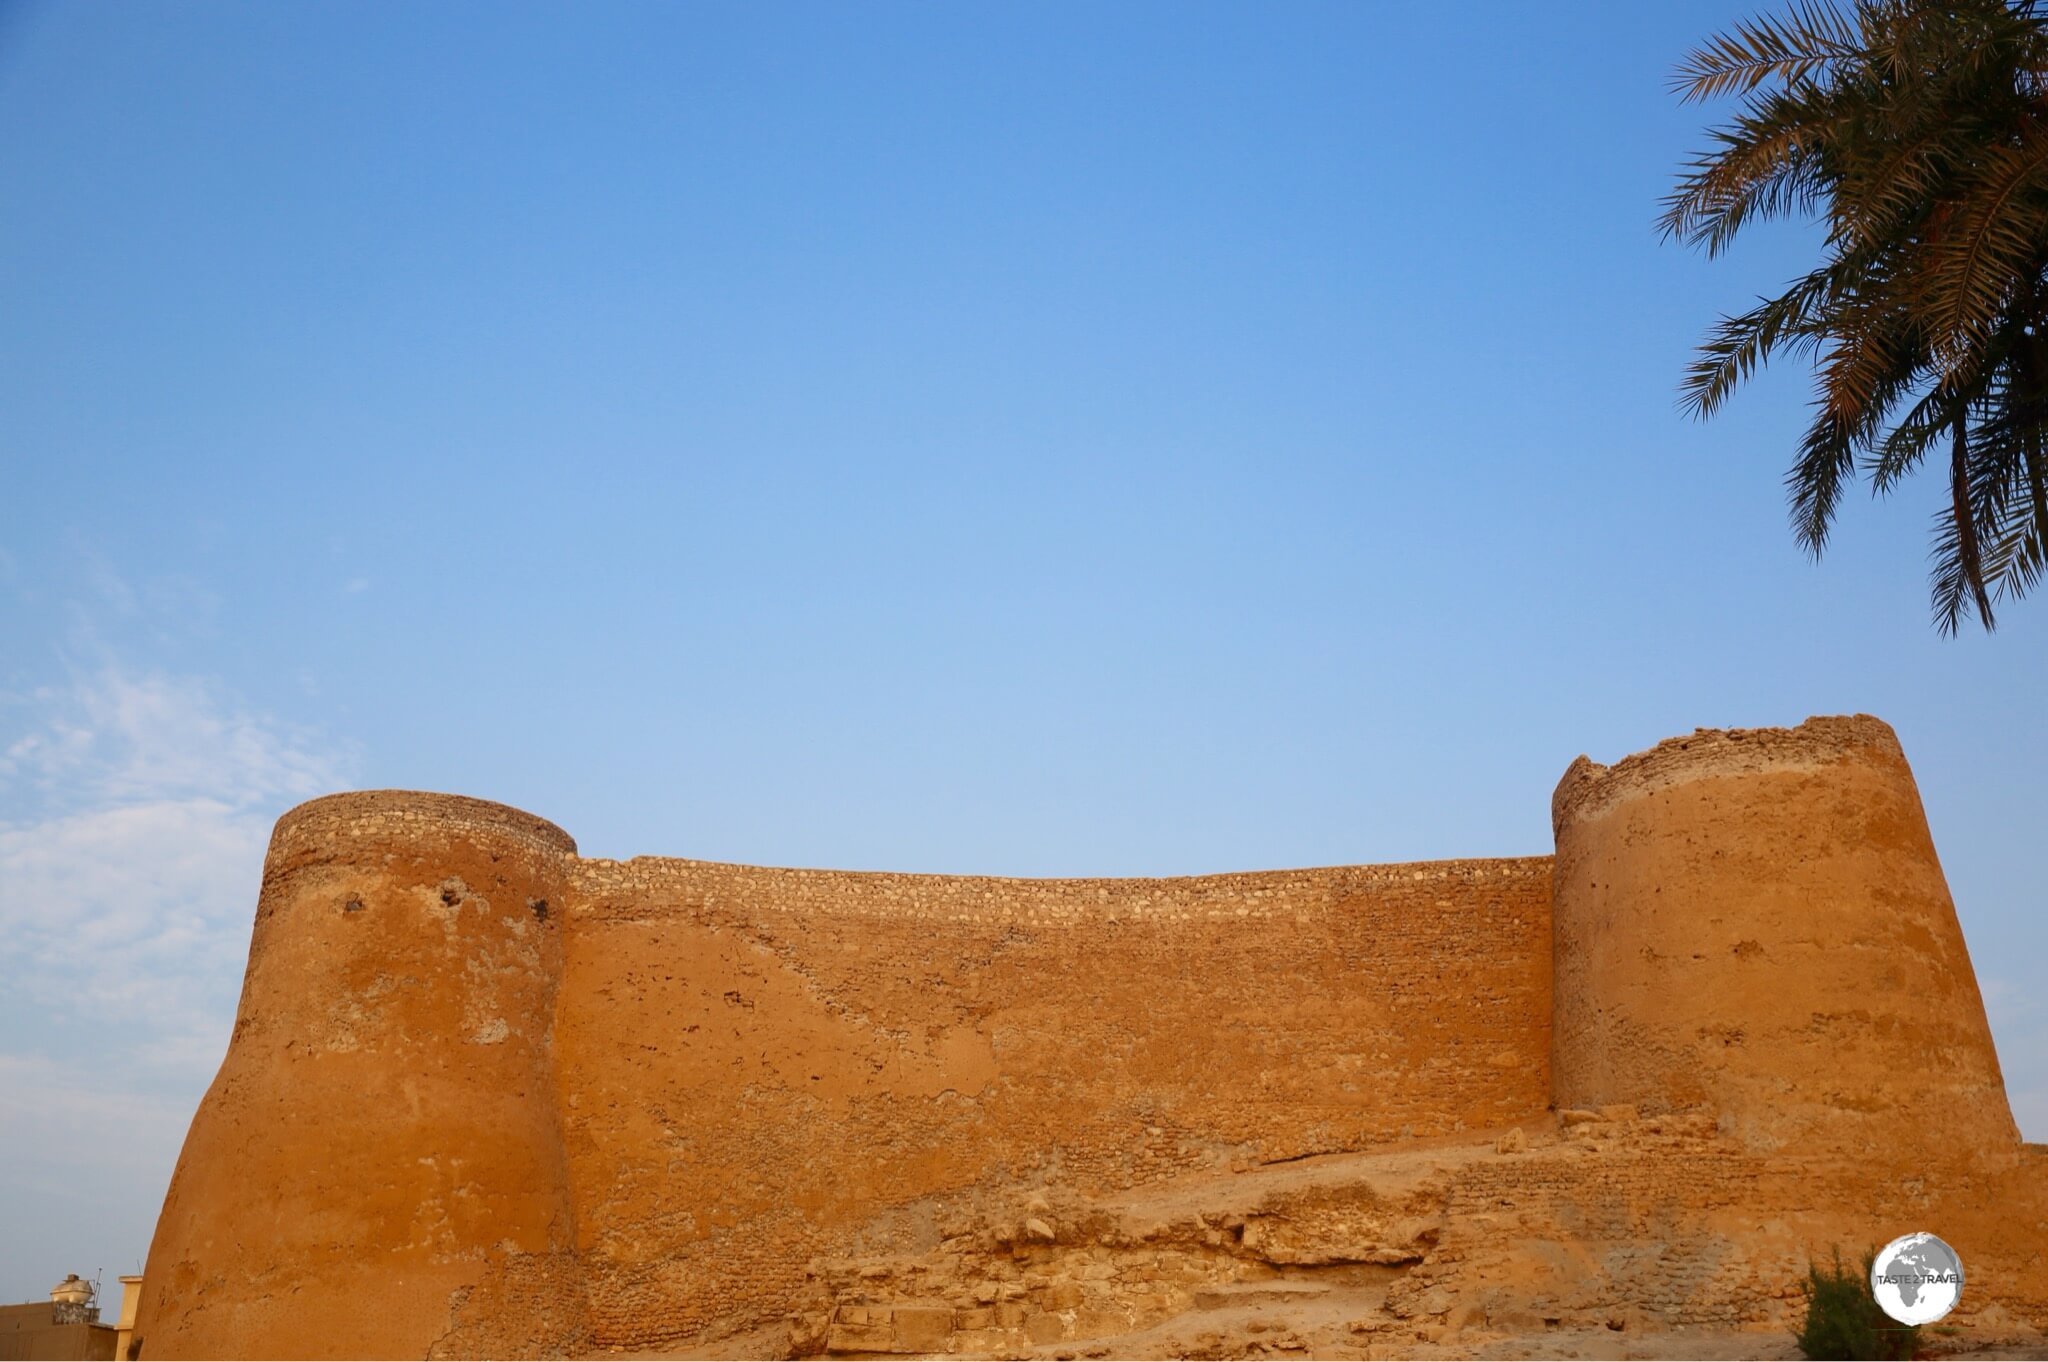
{"points": [[489, 1098]]}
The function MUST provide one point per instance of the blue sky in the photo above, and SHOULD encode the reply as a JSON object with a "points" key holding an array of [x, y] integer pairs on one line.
{"points": [[1044, 440]]}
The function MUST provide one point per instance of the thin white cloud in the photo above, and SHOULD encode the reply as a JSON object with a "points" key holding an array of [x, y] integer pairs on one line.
{"points": [[139, 810], [135, 806], [111, 737]]}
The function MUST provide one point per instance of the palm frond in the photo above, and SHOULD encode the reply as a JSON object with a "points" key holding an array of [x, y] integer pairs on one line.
{"points": [[1741, 343], [1958, 562], [1767, 164], [1765, 48], [1993, 244], [1916, 131], [1901, 451], [1892, 197], [2009, 482], [1862, 379], [2024, 547]]}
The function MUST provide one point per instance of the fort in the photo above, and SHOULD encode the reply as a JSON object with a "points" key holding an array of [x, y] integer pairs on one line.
{"points": [[486, 1097]]}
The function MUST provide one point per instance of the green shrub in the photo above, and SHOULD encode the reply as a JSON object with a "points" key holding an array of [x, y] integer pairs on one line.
{"points": [[1843, 1320]]}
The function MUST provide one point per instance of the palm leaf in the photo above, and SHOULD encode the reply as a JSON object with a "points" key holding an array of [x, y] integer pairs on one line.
{"points": [[1766, 48], [1918, 131], [1993, 245]]}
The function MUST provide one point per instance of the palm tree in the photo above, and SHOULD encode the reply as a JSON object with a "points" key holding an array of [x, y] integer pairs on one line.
{"points": [[1917, 130]]}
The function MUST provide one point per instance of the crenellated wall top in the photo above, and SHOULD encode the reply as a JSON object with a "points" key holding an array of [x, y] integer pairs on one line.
{"points": [[1590, 789], [652, 885], [400, 813]]}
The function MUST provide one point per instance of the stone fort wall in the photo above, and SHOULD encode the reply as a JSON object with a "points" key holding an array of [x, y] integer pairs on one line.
{"points": [[1755, 922], [530, 1103], [753, 1063]]}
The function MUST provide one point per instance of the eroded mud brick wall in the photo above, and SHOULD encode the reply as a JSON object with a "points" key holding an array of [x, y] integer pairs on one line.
{"points": [[759, 1066], [1755, 922], [380, 1147], [485, 1098]]}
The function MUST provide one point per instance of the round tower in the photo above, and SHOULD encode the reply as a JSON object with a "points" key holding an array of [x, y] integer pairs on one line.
{"points": [[1753, 921], [381, 1144]]}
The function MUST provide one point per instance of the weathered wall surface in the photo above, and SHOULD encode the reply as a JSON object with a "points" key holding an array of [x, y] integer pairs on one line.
{"points": [[532, 1103], [756, 1064], [381, 1142], [1756, 922], [488, 1098]]}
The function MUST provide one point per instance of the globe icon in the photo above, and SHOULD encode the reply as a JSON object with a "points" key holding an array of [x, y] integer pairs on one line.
{"points": [[1916, 1278]]}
